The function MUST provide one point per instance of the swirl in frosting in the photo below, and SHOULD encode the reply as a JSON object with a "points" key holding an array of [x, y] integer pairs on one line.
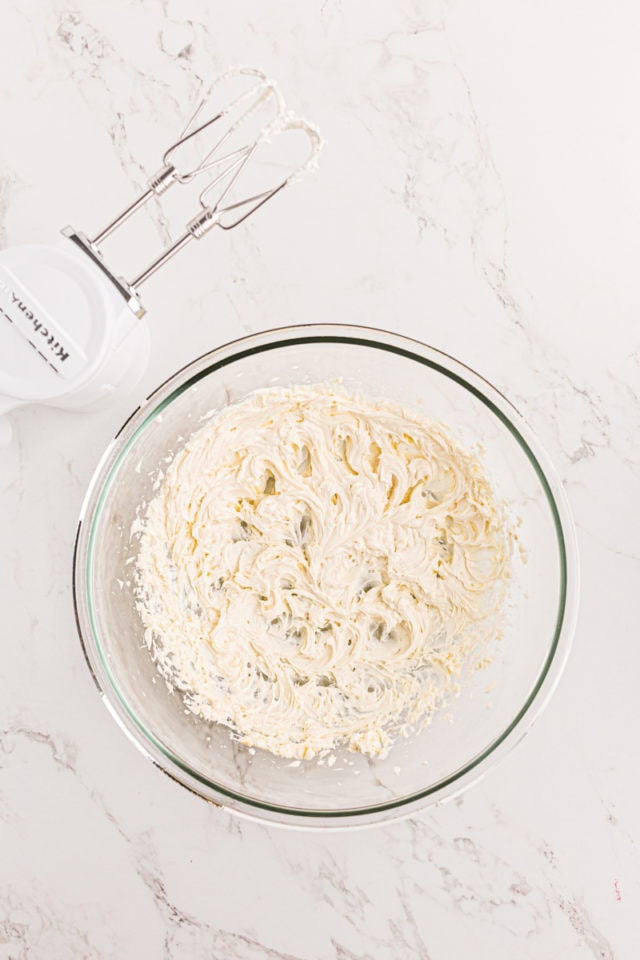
{"points": [[316, 570]]}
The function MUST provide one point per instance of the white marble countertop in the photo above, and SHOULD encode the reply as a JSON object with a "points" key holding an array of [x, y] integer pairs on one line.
{"points": [[479, 190]]}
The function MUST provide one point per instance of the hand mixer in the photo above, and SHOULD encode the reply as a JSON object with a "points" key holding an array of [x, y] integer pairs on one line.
{"points": [[71, 332]]}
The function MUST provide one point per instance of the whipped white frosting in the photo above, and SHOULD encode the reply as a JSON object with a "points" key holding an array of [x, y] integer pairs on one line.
{"points": [[317, 568]]}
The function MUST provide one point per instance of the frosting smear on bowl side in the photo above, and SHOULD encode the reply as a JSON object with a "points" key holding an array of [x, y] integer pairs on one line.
{"points": [[316, 569]]}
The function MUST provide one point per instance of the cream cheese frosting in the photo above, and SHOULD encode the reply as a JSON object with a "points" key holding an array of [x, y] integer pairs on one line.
{"points": [[317, 568]]}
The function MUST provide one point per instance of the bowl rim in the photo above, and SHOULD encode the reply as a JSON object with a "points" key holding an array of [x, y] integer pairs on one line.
{"points": [[412, 349]]}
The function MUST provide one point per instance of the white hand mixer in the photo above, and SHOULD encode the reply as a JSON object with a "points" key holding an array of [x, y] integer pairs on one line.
{"points": [[71, 332]]}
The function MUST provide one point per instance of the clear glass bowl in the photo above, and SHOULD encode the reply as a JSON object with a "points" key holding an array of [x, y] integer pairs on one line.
{"points": [[496, 706]]}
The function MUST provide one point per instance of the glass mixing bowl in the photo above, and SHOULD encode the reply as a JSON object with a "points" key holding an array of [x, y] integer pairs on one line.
{"points": [[496, 705]]}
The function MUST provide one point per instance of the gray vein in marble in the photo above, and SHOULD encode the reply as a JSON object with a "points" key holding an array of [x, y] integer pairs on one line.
{"points": [[10, 183], [187, 48], [91, 59], [489, 228], [117, 130], [184, 931], [186, 935], [499, 888], [336, 889], [580, 921], [496, 270], [635, 557], [63, 752]]}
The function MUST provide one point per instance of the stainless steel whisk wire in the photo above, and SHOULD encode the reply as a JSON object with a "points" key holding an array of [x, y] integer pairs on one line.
{"points": [[229, 166]]}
